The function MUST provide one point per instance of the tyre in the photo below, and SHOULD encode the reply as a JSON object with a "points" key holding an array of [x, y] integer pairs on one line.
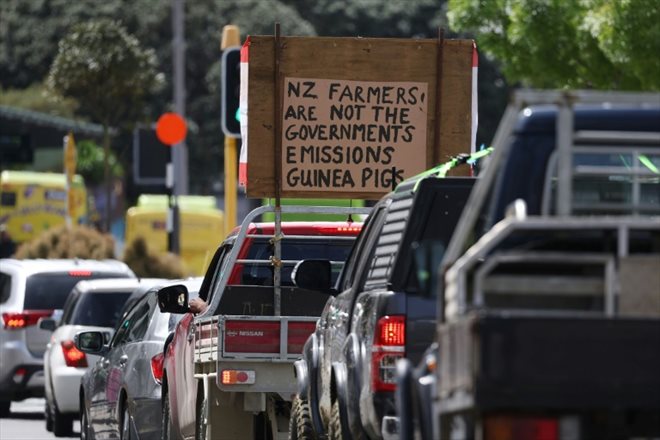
{"points": [[200, 416], [125, 432], [4, 408], [62, 423], [85, 430], [167, 433], [334, 430], [300, 422], [48, 416]]}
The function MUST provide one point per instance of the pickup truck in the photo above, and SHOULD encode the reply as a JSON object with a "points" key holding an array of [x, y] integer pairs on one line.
{"points": [[548, 320], [227, 372], [380, 313]]}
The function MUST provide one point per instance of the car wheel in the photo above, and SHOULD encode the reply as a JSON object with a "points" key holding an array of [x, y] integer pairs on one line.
{"points": [[4, 408], [166, 419], [48, 416], [85, 430], [62, 423], [334, 429], [200, 413], [300, 422], [125, 433]]}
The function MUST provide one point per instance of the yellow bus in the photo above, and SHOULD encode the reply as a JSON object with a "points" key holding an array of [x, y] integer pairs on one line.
{"points": [[202, 227], [32, 202]]}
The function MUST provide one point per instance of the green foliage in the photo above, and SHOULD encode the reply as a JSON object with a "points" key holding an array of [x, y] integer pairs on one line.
{"points": [[148, 264], [567, 43], [62, 242], [106, 70], [37, 98], [90, 163], [372, 18]]}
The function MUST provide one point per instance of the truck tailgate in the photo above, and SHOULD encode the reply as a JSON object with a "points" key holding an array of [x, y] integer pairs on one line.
{"points": [[551, 362], [275, 339]]}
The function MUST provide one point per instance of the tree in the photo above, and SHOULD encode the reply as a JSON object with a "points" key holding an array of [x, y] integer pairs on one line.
{"points": [[567, 43], [107, 71]]}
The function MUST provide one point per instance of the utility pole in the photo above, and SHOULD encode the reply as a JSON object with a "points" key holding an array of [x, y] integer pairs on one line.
{"points": [[179, 72], [177, 169]]}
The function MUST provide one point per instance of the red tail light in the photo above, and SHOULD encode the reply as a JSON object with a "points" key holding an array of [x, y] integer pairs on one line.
{"points": [[348, 229], [80, 273], [27, 318], [157, 367], [72, 356], [521, 428], [389, 347]]}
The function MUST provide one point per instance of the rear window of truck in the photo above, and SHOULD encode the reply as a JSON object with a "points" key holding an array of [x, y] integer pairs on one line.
{"points": [[260, 272], [48, 291]]}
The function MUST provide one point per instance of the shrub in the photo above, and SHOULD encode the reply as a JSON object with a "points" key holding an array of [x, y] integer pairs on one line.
{"points": [[74, 242], [149, 264]]}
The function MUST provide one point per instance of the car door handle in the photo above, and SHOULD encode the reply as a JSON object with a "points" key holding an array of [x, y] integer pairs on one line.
{"points": [[122, 360]]}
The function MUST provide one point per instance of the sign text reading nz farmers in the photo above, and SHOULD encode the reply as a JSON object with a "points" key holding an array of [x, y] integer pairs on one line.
{"points": [[341, 135]]}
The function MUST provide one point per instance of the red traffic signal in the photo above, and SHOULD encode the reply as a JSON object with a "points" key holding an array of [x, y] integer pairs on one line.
{"points": [[171, 129]]}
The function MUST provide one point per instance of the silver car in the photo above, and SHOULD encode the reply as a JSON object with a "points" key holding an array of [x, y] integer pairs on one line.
{"points": [[92, 305], [31, 290], [121, 393]]}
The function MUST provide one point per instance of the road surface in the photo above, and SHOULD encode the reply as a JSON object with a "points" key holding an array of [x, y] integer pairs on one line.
{"points": [[26, 422]]}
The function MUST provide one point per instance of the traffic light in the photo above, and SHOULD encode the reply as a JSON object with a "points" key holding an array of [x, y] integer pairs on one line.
{"points": [[230, 87]]}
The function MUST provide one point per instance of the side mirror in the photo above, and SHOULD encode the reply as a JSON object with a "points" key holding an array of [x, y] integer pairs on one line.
{"points": [[91, 342], [173, 299], [313, 275], [48, 324]]}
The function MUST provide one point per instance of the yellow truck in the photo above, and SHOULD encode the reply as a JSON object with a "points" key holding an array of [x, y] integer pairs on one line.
{"points": [[201, 231], [32, 202]]}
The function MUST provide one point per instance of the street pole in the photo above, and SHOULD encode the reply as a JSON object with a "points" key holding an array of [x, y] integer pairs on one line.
{"points": [[230, 38], [177, 177]]}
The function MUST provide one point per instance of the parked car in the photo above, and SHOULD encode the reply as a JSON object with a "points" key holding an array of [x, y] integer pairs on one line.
{"points": [[31, 290], [379, 313], [120, 395], [92, 305]]}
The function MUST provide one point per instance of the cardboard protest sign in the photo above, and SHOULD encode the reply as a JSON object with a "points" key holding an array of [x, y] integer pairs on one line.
{"points": [[357, 116]]}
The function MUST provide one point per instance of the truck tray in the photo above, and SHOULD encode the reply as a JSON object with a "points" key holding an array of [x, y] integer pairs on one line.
{"points": [[500, 361]]}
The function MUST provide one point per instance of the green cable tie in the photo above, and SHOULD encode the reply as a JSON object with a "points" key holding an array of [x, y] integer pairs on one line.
{"points": [[648, 163]]}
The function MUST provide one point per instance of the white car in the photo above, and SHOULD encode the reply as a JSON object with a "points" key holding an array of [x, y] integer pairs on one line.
{"points": [[30, 290], [92, 305]]}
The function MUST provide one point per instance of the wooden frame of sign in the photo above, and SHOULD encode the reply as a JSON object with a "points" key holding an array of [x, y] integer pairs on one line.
{"points": [[357, 115]]}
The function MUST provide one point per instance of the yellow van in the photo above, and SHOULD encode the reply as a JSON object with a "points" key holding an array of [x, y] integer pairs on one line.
{"points": [[32, 202], [201, 231]]}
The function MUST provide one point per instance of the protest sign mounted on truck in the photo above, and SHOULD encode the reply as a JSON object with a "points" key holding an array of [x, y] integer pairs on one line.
{"points": [[342, 120]]}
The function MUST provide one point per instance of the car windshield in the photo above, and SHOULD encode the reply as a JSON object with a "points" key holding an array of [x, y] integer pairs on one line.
{"points": [[99, 308], [48, 291]]}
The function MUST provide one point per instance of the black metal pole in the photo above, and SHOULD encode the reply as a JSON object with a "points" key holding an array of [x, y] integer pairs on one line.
{"points": [[172, 223]]}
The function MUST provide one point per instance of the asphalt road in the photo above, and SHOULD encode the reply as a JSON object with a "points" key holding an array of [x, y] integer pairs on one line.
{"points": [[26, 422]]}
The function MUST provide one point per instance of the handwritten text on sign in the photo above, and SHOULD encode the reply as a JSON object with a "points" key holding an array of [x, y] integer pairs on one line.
{"points": [[352, 135]]}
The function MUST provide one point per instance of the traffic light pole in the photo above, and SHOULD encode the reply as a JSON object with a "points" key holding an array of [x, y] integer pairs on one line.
{"points": [[230, 38], [177, 169], [172, 223]]}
